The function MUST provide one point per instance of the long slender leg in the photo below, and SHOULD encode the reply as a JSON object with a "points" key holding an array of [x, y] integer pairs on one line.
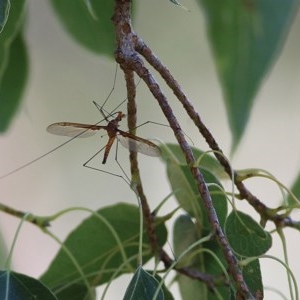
{"points": [[116, 159], [111, 139], [86, 165], [101, 107], [113, 87]]}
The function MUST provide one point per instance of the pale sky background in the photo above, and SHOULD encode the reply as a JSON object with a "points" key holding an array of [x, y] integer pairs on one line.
{"points": [[65, 78]]}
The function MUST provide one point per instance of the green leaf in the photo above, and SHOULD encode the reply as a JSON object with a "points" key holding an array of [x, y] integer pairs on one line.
{"points": [[177, 172], [174, 153], [76, 292], [14, 20], [212, 267], [246, 37], [167, 294], [185, 233], [4, 11], [142, 286], [184, 187], [14, 286], [186, 192], [100, 245], [13, 81], [13, 63], [89, 23], [246, 236], [252, 276]]}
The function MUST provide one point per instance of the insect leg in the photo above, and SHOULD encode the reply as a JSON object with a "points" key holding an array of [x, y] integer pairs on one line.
{"points": [[86, 165], [116, 159]]}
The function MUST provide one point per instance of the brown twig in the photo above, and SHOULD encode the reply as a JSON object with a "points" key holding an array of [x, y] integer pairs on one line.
{"points": [[202, 188], [129, 59], [135, 172], [265, 212], [42, 222]]}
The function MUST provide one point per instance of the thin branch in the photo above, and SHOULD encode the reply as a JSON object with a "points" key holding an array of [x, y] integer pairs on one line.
{"points": [[153, 86], [265, 212], [129, 59], [41, 222], [135, 172]]}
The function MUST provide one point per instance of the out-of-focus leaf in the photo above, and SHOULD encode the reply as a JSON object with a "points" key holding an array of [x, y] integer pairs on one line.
{"points": [[14, 20], [75, 292], [4, 11], [142, 286], [184, 235], [246, 37], [94, 246], [213, 268], [15, 286], [13, 81], [246, 236], [13, 62], [252, 276], [89, 23], [167, 294]]}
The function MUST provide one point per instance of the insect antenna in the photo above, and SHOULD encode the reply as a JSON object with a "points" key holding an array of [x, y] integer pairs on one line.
{"points": [[41, 156], [70, 139]]}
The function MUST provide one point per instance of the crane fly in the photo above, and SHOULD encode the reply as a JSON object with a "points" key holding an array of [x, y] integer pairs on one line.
{"points": [[74, 130], [127, 140]]}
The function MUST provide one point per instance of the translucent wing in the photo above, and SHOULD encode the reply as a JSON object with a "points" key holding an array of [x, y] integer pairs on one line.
{"points": [[137, 144], [73, 129]]}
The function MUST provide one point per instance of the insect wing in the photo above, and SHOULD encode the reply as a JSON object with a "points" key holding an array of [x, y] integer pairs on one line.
{"points": [[137, 144], [73, 129]]}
